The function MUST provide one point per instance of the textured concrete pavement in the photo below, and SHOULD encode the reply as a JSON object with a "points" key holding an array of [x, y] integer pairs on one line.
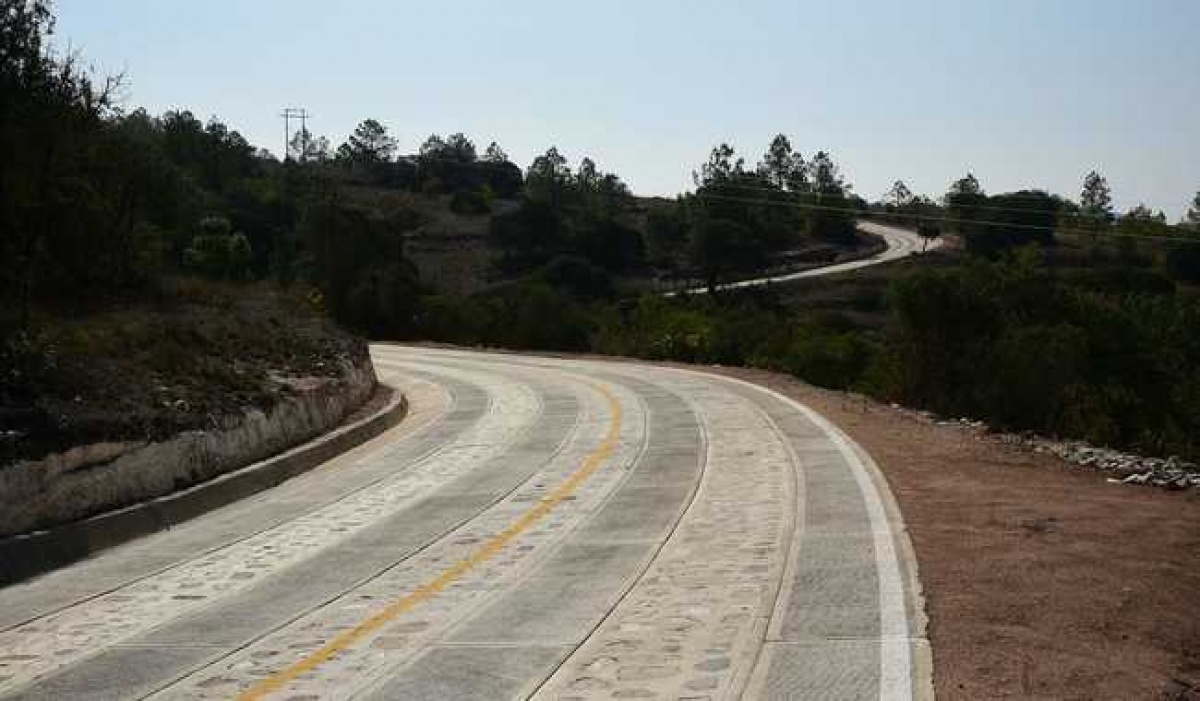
{"points": [[537, 528]]}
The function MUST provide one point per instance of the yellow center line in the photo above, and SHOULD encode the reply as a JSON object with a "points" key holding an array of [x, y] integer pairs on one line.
{"points": [[428, 590]]}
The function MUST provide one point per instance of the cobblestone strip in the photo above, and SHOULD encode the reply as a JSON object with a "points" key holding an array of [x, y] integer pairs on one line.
{"points": [[431, 416], [373, 656], [36, 649], [692, 626]]}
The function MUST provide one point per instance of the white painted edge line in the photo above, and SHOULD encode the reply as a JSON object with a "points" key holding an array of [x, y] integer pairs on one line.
{"points": [[896, 661]]}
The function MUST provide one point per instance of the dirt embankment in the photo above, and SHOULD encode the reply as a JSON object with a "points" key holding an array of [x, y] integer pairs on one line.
{"points": [[1042, 580], [132, 404]]}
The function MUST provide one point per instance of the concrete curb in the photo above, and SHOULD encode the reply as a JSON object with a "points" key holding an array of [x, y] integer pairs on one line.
{"points": [[25, 556]]}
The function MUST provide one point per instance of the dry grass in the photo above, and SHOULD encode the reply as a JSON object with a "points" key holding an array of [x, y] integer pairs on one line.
{"points": [[191, 355]]}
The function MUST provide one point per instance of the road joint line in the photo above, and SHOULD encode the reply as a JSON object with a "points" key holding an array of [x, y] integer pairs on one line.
{"points": [[455, 572]]}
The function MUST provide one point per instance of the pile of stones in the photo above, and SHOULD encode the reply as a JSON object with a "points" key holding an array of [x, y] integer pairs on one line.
{"points": [[1125, 468], [1169, 473]]}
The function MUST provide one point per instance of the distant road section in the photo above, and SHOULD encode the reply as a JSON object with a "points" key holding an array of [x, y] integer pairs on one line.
{"points": [[901, 243]]}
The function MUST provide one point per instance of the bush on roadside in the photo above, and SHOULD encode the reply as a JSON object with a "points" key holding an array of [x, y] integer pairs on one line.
{"points": [[1009, 345]]}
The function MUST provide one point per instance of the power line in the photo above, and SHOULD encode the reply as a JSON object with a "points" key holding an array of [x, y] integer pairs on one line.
{"points": [[288, 114], [773, 190], [482, 164], [948, 220]]}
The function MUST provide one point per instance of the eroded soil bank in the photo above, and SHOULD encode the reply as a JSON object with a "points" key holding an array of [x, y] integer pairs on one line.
{"points": [[129, 404]]}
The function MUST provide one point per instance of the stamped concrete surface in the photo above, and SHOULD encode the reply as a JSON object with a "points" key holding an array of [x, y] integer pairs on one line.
{"points": [[537, 528]]}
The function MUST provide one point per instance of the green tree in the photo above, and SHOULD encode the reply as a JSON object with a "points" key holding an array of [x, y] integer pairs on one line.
{"points": [[606, 242], [304, 147], [1012, 220], [548, 178], [460, 148], [368, 153], [1095, 201], [826, 176], [433, 147], [529, 236], [720, 246], [964, 202], [1142, 213], [783, 167], [495, 154], [456, 147], [928, 232], [597, 193], [53, 203], [587, 178], [24, 24], [219, 252], [1192, 218], [830, 219], [357, 261], [369, 145], [666, 233], [722, 166], [899, 196], [966, 185]]}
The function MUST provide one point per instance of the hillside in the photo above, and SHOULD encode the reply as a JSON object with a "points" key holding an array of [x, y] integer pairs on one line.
{"points": [[457, 252], [192, 357], [1049, 314]]}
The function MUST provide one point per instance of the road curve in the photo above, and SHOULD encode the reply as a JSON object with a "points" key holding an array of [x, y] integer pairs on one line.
{"points": [[901, 243], [537, 528]]}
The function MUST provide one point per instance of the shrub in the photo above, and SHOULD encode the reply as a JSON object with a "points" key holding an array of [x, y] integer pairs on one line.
{"points": [[1183, 261], [432, 187], [1011, 345], [826, 358], [218, 252], [469, 203], [537, 317], [384, 300], [577, 277]]}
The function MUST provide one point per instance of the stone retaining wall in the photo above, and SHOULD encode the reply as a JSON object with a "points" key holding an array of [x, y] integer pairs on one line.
{"points": [[96, 478]]}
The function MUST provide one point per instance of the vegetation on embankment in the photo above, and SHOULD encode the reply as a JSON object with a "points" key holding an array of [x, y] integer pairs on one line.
{"points": [[1063, 342], [136, 256], [191, 355]]}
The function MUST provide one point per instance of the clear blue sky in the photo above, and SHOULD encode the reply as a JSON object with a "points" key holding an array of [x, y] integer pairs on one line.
{"points": [[1021, 92]]}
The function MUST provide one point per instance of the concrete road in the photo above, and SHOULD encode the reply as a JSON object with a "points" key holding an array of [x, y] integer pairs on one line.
{"points": [[537, 528], [901, 243]]}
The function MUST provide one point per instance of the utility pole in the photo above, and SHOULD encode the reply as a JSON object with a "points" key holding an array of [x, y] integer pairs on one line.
{"points": [[288, 114]]}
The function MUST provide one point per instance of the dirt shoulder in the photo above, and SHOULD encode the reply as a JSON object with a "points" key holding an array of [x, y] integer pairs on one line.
{"points": [[1041, 579]]}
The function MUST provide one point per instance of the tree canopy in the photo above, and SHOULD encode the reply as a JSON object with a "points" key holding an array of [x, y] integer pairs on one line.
{"points": [[1095, 201], [369, 145]]}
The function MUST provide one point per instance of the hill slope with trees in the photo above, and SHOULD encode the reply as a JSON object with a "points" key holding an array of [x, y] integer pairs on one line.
{"points": [[1048, 313]]}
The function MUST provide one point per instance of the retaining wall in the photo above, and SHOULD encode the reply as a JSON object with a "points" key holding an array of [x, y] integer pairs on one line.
{"points": [[97, 478]]}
